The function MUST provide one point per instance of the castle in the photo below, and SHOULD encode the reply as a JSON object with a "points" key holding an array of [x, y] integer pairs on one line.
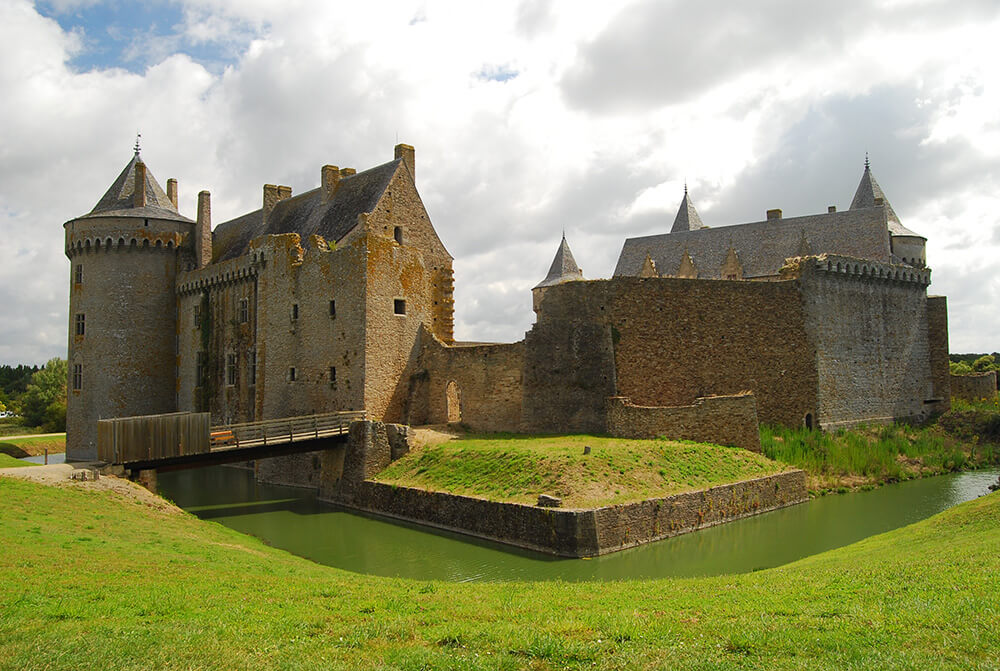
{"points": [[341, 299]]}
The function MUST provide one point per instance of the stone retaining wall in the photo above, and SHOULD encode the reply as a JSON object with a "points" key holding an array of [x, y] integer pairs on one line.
{"points": [[724, 420], [581, 533], [975, 386]]}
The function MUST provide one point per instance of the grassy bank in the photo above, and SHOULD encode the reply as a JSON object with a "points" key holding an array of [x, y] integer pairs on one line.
{"points": [[520, 467], [95, 580], [7, 461], [33, 446], [963, 438]]}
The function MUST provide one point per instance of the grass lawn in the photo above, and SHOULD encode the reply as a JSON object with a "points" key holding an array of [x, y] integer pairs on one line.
{"points": [[7, 461], [517, 468], [34, 446], [95, 580]]}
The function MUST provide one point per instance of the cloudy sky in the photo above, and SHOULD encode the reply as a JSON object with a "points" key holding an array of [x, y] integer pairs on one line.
{"points": [[527, 118]]}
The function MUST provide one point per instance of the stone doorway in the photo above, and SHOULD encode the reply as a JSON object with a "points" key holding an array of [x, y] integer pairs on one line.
{"points": [[453, 401]]}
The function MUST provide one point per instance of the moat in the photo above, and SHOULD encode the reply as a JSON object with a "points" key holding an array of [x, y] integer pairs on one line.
{"points": [[292, 519]]}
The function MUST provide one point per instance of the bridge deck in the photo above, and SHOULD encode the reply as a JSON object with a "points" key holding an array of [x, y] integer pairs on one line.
{"points": [[255, 440]]}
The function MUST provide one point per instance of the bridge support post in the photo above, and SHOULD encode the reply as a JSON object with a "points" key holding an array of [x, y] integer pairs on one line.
{"points": [[146, 477]]}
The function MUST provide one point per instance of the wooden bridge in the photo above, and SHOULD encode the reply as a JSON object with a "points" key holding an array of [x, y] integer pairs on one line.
{"points": [[183, 440]]}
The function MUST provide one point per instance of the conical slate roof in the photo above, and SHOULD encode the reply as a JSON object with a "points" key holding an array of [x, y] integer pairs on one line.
{"points": [[687, 218], [868, 191], [119, 200], [563, 268]]}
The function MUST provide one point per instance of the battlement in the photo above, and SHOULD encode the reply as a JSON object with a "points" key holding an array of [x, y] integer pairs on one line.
{"points": [[855, 268]]}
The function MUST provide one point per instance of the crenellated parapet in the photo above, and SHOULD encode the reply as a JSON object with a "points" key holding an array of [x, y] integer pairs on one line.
{"points": [[854, 268], [218, 275]]}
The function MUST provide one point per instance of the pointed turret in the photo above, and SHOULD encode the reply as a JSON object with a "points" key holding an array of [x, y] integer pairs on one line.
{"points": [[906, 246], [563, 269], [123, 199], [687, 218]]}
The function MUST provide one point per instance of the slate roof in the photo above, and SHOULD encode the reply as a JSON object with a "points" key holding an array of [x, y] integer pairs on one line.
{"points": [[563, 268], [687, 218], [868, 191], [307, 214], [118, 200], [762, 246]]}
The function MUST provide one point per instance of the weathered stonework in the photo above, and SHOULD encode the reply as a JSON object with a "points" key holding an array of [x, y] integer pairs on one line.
{"points": [[975, 387], [724, 420]]}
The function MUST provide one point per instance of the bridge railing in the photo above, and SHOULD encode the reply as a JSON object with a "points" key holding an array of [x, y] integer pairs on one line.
{"points": [[284, 430]]}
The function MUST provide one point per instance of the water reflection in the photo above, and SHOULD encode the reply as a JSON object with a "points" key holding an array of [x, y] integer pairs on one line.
{"points": [[292, 519]]}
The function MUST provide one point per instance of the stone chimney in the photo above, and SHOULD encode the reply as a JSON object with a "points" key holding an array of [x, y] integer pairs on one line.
{"points": [[284, 192], [347, 172], [773, 215], [172, 191], [139, 189], [203, 230], [406, 152], [831, 209], [270, 198], [329, 180]]}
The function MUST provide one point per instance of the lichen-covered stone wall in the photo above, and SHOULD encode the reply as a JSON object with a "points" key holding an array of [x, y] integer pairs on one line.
{"points": [[724, 420], [975, 387], [483, 380]]}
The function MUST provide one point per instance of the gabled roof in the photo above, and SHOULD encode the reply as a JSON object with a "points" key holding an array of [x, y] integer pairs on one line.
{"points": [[119, 199], [563, 268], [687, 218], [868, 191], [307, 214], [762, 246]]}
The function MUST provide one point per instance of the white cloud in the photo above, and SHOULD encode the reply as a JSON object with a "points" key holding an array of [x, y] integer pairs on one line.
{"points": [[612, 107]]}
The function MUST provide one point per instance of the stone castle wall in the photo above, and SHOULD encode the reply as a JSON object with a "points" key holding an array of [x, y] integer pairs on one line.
{"points": [[975, 387], [483, 380], [937, 341], [724, 420], [666, 342], [127, 351], [868, 323]]}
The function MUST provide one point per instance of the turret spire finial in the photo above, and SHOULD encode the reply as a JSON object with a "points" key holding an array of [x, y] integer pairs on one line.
{"points": [[685, 187], [867, 163], [138, 137]]}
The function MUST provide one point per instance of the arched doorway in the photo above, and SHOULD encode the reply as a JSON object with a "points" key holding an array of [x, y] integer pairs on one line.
{"points": [[453, 400], [809, 421]]}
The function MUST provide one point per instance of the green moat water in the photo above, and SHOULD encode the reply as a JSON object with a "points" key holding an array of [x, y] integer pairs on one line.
{"points": [[294, 520]]}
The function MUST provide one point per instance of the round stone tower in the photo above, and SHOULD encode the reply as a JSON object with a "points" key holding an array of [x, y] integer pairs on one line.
{"points": [[124, 258]]}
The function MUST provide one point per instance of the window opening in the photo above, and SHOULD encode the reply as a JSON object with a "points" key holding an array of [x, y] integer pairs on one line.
{"points": [[231, 369], [295, 310], [253, 367], [81, 326], [399, 306], [79, 273], [397, 234], [77, 377], [333, 374], [333, 308], [291, 374], [244, 310]]}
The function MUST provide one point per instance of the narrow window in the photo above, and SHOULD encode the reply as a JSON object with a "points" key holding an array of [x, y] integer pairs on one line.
{"points": [[253, 367], [291, 374], [231, 369], [201, 369], [333, 374], [197, 315], [399, 306], [397, 233], [81, 326], [79, 274], [295, 310], [244, 311], [333, 308], [77, 377]]}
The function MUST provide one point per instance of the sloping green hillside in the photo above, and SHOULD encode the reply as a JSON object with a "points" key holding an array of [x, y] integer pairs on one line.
{"points": [[96, 580]]}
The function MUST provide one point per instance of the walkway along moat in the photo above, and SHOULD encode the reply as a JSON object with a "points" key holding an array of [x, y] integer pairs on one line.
{"points": [[292, 519]]}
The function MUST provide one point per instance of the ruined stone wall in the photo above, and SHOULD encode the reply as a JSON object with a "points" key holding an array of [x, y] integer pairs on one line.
{"points": [[937, 340], [975, 387], [723, 420], [127, 352], [665, 342], [868, 321], [417, 272], [485, 380]]}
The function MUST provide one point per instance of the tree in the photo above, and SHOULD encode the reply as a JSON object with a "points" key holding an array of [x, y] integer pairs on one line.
{"points": [[984, 364], [960, 368], [44, 401]]}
